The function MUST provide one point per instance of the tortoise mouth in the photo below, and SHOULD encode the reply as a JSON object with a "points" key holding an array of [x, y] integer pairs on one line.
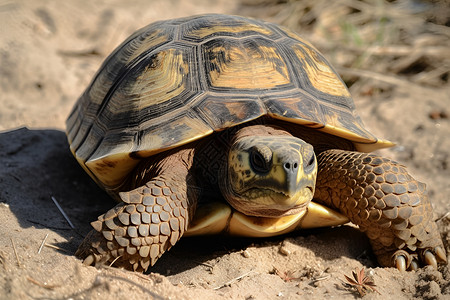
{"points": [[258, 192], [273, 199], [266, 202]]}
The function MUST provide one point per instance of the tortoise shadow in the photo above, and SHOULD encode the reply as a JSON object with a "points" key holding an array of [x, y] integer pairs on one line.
{"points": [[345, 241], [38, 165]]}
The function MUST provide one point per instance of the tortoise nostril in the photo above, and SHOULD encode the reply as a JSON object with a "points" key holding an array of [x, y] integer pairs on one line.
{"points": [[290, 166]]}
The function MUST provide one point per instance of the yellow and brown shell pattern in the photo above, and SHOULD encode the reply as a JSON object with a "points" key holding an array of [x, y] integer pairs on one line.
{"points": [[177, 81]]}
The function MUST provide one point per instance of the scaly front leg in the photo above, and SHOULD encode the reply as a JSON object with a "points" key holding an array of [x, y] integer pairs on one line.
{"points": [[389, 205], [135, 233]]}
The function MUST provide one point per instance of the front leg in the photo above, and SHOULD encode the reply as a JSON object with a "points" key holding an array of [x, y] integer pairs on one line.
{"points": [[389, 205], [135, 233]]}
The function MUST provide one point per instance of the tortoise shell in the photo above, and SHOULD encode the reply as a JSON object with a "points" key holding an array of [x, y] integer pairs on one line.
{"points": [[176, 81]]}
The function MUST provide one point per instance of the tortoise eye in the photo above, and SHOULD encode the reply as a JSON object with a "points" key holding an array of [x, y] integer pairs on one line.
{"points": [[310, 162], [260, 159]]}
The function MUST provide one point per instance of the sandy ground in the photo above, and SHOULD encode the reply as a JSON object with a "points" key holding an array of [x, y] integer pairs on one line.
{"points": [[49, 50]]}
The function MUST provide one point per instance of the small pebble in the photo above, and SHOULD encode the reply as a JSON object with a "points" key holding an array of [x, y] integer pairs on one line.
{"points": [[283, 250], [438, 114], [245, 254]]}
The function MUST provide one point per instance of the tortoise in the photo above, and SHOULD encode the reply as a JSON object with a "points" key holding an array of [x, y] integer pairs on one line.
{"points": [[218, 124]]}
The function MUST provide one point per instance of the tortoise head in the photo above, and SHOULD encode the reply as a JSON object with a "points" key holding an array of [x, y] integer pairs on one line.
{"points": [[270, 176]]}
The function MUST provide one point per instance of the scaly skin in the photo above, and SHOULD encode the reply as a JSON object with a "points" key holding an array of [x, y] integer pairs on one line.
{"points": [[389, 205], [149, 220]]}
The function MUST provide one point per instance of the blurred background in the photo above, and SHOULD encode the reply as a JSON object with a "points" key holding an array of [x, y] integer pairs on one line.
{"points": [[377, 46]]}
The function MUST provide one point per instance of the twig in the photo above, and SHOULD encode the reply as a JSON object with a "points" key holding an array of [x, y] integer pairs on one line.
{"points": [[80, 53], [435, 51], [362, 254], [374, 75], [431, 77], [443, 217], [56, 247], [144, 289], [42, 244], [320, 278], [115, 259], [62, 212], [385, 78], [233, 280], [95, 284], [440, 52], [204, 264], [48, 226], [44, 285], [15, 252], [2, 259]]}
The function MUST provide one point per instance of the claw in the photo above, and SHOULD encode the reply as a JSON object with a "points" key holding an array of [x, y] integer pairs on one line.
{"points": [[400, 263], [414, 265], [430, 259], [440, 253], [89, 261]]}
